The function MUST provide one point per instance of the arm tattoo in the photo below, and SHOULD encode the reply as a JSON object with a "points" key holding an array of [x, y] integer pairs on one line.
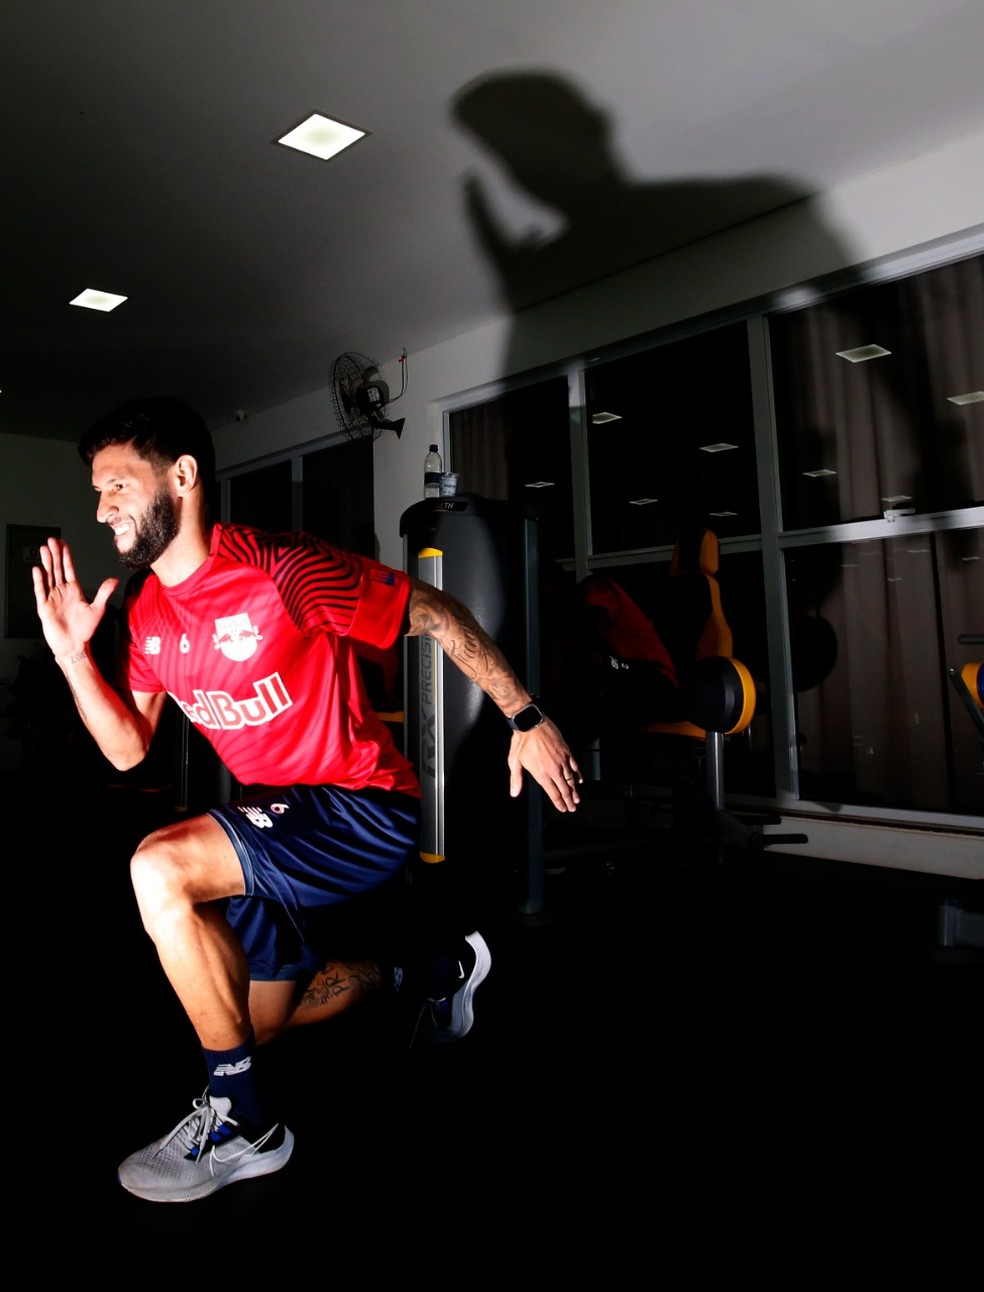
{"points": [[456, 630]]}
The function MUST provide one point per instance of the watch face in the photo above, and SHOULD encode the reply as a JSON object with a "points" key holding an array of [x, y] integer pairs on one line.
{"points": [[528, 718]]}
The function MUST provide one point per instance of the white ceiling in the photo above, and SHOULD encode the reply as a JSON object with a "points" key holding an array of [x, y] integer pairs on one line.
{"points": [[138, 158]]}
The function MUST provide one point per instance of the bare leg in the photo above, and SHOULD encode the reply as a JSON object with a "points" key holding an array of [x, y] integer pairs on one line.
{"points": [[178, 872], [341, 984], [276, 1006]]}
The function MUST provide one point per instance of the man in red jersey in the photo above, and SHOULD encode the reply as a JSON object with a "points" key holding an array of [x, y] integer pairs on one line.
{"points": [[256, 638]]}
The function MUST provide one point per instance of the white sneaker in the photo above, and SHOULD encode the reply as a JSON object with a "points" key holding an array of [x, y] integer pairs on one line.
{"points": [[204, 1152], [443, 1021]]}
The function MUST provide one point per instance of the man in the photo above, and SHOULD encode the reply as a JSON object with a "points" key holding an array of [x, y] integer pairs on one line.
{"points": [[256, 638]]}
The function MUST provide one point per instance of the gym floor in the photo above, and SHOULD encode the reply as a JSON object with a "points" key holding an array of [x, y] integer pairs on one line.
{"points": [[670, 1052]]}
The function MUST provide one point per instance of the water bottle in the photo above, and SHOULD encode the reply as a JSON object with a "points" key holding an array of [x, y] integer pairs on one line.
{"points": [[433, 470]]}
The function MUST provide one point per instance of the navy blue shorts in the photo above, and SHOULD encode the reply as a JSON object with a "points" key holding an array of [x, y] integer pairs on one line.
{"points": [[305, 850]]}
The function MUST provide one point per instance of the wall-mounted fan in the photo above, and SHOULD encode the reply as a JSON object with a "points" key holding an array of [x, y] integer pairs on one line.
{"points": [[362, 397]]}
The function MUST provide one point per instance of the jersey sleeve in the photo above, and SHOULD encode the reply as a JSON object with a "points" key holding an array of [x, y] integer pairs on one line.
{"points": [[133, 669], [382, 606], [326, 589]]}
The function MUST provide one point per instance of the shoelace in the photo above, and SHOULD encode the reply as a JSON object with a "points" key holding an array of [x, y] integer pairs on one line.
{"points": [[197, 1135], [211, 1122]]}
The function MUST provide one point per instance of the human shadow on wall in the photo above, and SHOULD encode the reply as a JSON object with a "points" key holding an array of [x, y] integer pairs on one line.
{"points": [[559, 149]]}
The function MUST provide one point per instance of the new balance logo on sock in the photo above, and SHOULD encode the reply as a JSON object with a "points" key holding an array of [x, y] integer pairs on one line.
{"points": [[233, 1069]]}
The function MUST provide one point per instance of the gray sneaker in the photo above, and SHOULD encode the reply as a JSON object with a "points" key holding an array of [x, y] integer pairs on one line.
{"points": [[207, 1150]]}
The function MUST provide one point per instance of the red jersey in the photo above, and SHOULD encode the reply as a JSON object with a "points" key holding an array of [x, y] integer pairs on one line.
{"points": [[259, 649], [631, 633]]}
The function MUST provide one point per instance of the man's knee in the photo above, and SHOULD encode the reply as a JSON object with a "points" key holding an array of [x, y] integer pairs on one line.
{"points": [[156, 875], [190, 862]]}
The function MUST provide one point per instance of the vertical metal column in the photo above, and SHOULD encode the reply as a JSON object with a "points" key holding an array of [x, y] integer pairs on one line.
{"points": [[428, 751]]}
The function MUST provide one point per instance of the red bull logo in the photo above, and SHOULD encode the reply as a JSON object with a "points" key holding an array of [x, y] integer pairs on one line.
{"points": [[220, 711], [236, 637]]}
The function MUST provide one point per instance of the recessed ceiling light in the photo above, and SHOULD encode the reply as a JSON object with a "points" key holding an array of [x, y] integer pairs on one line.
{"points": [[822, 471], [722, 513], [91, 299], [721, 447], [862, 352], [598, 418], [972, 397], [540, 484], [321, 136], [642, 502]]}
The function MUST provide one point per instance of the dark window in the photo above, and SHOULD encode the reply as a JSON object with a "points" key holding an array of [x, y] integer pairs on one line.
{"points": [[900, 430], [671, 443], [518, 448]]}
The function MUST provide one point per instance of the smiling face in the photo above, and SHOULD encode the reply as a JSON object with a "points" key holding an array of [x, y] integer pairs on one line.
{"points": [[136, 502]]}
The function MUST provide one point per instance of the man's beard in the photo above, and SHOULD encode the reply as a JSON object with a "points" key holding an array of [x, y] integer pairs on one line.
{"points": [[154, 533]]}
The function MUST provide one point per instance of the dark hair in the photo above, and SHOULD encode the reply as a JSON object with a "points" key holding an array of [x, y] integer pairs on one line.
{"points": [[160, 429]]}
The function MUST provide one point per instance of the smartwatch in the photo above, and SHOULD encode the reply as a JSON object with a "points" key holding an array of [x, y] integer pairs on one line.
{"points": [[530, 716]]}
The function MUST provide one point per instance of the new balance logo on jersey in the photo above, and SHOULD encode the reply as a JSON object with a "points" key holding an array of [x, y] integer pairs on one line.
{"points": [[220, 711], [233, 1069]]}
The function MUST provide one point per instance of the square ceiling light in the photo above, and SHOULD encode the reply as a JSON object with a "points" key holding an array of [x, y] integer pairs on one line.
{"points": [[321, 136], [91, 299], [862, 353]]}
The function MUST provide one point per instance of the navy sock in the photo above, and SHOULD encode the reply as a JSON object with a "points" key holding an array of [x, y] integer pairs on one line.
{"points": [[232, 1073]]}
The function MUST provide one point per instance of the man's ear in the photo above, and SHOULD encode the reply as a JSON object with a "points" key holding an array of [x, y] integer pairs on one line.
{"points": [[185, 473]]}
